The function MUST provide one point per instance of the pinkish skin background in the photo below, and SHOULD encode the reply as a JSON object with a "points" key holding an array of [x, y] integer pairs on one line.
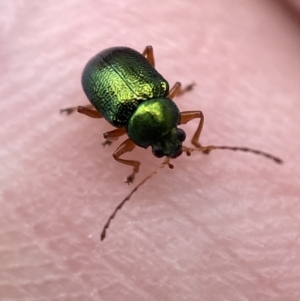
{"points": [[219, 227]]}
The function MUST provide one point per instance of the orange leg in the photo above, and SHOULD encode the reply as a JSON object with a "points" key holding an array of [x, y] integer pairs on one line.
{"points": [[89, 112], [71, 110], [109, 136], [187, 116], [148, 53], [176, 90], [125, 147], [113, 135]]}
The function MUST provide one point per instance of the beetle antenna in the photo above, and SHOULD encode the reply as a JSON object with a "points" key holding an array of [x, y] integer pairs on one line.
{"points": [[127, 198], [207, 149]]}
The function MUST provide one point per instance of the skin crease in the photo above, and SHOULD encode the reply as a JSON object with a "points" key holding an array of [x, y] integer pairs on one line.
{"points": [[218, 227]]}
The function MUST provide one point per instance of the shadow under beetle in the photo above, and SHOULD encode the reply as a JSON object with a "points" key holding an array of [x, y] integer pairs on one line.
{"points": [[125, 89]]}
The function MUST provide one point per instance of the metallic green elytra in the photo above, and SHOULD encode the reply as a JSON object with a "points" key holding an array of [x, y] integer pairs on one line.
{"points": [[126, 89], [117, 80]]}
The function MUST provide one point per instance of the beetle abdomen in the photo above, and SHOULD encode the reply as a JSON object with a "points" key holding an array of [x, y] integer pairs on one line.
{"points": [[117, 80]]}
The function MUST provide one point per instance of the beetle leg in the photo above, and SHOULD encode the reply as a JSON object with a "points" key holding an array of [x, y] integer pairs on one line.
{"points": [[71, 110], [176, 90], [113, 135], [186, 89], [187, 116], [89, 112], [148, 53], [127, 146]]}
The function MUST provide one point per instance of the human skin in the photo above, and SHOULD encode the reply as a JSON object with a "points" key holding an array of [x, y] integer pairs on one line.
{"points": [[223, 226]]}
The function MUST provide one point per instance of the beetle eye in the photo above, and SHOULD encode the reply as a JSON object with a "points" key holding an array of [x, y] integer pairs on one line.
{"points": [[181, 135], [158, 153]]}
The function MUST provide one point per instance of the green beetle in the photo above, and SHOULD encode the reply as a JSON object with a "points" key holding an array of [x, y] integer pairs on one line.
{"points": [[125, 89]]}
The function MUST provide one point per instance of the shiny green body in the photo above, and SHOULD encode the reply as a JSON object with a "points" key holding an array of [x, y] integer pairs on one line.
{"points": [[117, 80], [128, 92]]}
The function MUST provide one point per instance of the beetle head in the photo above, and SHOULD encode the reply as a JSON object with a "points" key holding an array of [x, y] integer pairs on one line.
{"points": [[169, 145]]}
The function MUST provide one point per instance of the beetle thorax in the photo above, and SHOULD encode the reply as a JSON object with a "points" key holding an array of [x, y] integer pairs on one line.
{"points": [[154, 123]]}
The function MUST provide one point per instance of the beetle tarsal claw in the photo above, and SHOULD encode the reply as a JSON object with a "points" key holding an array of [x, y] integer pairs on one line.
{"points": [[68, 111], [107, 142], [130, 179], [206, 152]]}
